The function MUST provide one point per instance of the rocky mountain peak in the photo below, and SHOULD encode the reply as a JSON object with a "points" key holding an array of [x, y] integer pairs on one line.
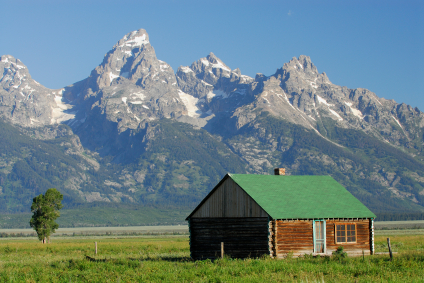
{"points": [[10, 60], [14, 72], [25, 101], [130, 86], [301, 64], [213, 59], [237, 71], [300, 74], [208, 74], [134, 39], [211, 68], [131, 58]]}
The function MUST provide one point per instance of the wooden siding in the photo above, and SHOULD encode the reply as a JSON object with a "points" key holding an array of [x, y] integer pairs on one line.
{"points": [[229, 200], [242, 237], [293, 236], [363, 239], [296, 237]]}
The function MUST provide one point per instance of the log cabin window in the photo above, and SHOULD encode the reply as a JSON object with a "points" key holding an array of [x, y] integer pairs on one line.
{"points": [[345, 233]]}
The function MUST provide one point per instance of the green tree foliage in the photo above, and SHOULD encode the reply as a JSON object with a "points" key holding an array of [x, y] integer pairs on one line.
{"points": [[45, 209]]}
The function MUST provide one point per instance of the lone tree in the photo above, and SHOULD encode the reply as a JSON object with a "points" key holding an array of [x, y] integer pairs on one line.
{"points": [[45, 209]]}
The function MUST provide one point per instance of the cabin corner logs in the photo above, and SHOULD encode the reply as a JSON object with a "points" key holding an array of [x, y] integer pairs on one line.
{"points": [[233, 214]]}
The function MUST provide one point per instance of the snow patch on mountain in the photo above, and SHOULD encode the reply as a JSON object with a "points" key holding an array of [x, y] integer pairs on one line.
{"points": [[206, 83], [220, 65], [217, 93], [245, 79], [133, 41], [355, 111], [137, 41], [204, 61], [112, 76], [163, 66], [286, 99], [190, 103], [336, 114], [58, 113], [323, 101], [186, 70], [397, 121]]}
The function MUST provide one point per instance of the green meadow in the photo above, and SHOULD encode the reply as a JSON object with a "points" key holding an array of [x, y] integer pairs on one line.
{"points": [[167, 259]]}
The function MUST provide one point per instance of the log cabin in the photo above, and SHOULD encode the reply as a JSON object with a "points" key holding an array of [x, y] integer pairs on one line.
{"points": [[279, 215]]}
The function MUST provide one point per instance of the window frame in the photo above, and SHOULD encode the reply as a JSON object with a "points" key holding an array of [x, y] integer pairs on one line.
{"points": [[345, 223]]}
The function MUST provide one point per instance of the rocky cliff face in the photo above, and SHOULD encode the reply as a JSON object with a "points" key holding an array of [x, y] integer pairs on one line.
{"points": [[130, 87], [149, 134], [298, 93], [24, 101], [210, 88], [316, 97]]}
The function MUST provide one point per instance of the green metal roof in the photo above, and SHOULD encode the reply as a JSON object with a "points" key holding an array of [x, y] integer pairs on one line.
{"points": [[301, 196]]}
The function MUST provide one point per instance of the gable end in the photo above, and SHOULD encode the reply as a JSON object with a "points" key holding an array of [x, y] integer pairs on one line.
{"points": [[228, 199]]}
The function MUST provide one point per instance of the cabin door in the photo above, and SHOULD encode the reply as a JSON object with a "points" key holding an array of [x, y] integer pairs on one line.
{"points": [[319, 236]]}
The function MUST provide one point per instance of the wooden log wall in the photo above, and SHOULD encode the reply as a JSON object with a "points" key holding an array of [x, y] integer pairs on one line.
{"points": [[242, 237], [363, 236], [296, 237], [272, 243], [293, 236]]}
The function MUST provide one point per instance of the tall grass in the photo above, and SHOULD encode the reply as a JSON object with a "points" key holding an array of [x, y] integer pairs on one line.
{"points": [[166, 259]]}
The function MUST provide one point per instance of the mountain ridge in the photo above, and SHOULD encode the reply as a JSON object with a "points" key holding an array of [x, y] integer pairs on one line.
{"points": [[131, 124]]}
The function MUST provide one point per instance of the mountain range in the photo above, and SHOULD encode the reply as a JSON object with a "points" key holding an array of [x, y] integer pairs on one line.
{"points": [[137, 134]]}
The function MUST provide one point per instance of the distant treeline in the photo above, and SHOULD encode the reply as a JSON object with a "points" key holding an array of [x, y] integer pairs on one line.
{"points": [[390, 216], [14, 235], [96, 234]]}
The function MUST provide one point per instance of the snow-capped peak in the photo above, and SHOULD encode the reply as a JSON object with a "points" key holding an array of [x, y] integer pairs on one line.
{"points": [[5, 58], [216, 62], [186, 69], [134, 39]]}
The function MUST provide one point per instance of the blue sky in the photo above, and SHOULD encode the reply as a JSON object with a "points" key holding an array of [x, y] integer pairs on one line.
{"points": [[378, 45]]}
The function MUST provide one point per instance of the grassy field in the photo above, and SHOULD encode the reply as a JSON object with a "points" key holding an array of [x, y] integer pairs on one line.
{"points": [[399, 232], [102, 231], [166, 259], [391, 225]]}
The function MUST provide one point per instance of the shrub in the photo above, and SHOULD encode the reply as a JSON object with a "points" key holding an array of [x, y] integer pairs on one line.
{"points": [[339, 253]]}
